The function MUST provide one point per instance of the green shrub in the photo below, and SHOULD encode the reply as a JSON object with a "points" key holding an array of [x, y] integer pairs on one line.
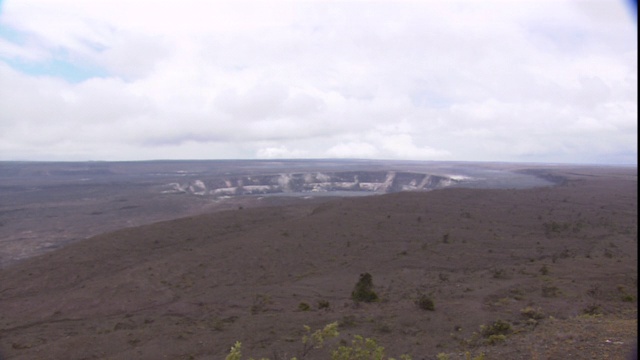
{"points": [[360, 349], [499, 327], [235, 353], [323, 304], [424, 302], [544, 270], [499, 273], [550, 291], [303, 306], [628, 298], [316, 339], [467, 356], [348, 321], [363, 290], [445, 238], [260, 303], [532, 313], [494, 339], [592, 310]]}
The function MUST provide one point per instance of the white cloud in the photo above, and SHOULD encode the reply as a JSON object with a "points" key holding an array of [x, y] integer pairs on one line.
{"points": [[280, 152], [353, 150], [401, 146], [429, 80]]}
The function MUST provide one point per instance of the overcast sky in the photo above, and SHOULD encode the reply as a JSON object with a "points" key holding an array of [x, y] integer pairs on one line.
{"points": [[523, 81]]}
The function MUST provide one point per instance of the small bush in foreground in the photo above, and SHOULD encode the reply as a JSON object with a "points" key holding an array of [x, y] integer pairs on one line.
{"points": [[360, 349], [424, 302], [467, 356], [494, 339], [532, 313], [544, 270], [363, 290], [499, 327], [628, 298], [323, 304], [592, 310]]}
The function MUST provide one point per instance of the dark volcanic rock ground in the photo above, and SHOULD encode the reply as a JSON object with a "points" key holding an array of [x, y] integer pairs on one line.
{"points": [[558, 264], [44, 206]]}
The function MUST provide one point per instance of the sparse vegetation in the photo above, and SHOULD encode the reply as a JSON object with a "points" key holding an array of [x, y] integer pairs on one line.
{"points": [[628, 298], [499, 273], [260, 303], [245, 273], [323, 304], [316, 339], [550, 291], [348, 321], [495, 339], [498, 327], [544, 270], [445, 238], [363, 290], [425, 302], [592, 310], [532, 313], [468, 356], [361, 348]]}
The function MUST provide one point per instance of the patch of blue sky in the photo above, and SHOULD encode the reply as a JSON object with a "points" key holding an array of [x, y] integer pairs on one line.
{"points": [[57, 66], [632, 5], [66, 70], [11, 35]]}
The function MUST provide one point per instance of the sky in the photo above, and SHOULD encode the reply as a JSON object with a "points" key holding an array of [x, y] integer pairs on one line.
{"points": [[546, 81]]}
